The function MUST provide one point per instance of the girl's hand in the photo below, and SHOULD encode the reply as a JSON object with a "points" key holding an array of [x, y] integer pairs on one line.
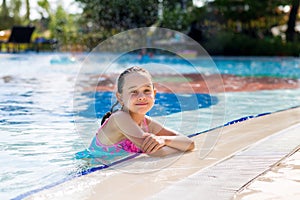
{"points": [[152, 143]]}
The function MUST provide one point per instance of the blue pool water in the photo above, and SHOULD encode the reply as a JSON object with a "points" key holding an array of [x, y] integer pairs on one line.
{"points": [[41, 131], [165, 103]]}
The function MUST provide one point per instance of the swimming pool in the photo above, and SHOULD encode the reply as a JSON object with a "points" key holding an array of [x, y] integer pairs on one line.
{"points": [[38, 132]]}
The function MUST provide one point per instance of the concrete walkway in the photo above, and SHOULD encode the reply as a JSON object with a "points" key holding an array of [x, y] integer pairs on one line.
{"points": [[222, 180], [243, 152], [282, 181]]}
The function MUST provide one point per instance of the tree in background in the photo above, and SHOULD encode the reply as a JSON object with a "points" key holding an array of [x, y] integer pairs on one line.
{"points": [[243, 27], [217, 22], [45, 7], [290, 32], [63, 27], [6, 17], [256, 18], [251, 17], [27, 15], [54, 23], [177, 14], [115, 16], [16, 7], [104, 18]]}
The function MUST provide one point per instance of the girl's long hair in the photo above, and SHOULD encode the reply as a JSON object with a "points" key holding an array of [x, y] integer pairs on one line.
{"points": [[108, 114]]}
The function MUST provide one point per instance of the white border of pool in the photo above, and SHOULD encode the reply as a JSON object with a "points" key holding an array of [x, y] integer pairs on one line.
{"points": [[244, 151]]}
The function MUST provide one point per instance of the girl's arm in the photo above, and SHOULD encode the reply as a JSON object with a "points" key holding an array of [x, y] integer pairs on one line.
{"points": [[164, 151], [162, 142], [166, 137], [122, 122]]}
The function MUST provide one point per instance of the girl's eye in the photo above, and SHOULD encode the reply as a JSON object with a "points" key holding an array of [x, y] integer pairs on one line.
{"points": [[147, 91], [133, 92]]}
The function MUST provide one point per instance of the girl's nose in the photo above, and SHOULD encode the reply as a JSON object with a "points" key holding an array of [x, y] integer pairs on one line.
{"points": [[141, 97]]}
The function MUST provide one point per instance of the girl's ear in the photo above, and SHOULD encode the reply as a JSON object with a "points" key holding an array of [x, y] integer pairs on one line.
{"points": [[154, 90], [119, 98]]}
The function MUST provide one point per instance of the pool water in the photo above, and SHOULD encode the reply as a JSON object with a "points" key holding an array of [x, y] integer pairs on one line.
{"points": [[41, 131], [165, 103]]}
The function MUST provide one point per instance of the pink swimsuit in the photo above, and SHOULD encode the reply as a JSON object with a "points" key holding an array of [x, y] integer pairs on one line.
{"points": [[125, 144], [109, 152]]}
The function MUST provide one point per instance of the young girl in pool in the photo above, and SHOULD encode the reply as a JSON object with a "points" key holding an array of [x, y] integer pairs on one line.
{"points": [[129, 130]]}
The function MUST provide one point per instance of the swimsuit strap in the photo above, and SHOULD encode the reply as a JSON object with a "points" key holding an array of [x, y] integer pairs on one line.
{"points": [[146, 125]]}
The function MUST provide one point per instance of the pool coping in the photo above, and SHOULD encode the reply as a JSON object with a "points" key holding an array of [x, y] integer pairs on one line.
{"points": [[221, 181], [126, 184], [281, 181]]}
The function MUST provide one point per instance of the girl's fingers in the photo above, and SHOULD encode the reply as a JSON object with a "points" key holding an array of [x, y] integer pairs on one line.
{"points": [[146, 143], [152, 144], [155, 149]]}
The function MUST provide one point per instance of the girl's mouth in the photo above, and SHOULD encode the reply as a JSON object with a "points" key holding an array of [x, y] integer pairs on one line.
{"points": [[141, 104]]}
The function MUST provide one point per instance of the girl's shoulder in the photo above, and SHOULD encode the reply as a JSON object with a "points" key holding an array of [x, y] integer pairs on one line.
{"points": [[153, 125], [119, 119], [120, 115], [150, 121], [159, 129], [111, 127], [115, 118]]}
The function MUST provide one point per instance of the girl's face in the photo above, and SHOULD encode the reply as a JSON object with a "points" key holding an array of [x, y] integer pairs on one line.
{"points": [[138, 95]]}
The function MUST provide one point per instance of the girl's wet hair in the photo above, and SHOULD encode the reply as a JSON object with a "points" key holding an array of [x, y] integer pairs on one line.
{"points": [[120, 84]]}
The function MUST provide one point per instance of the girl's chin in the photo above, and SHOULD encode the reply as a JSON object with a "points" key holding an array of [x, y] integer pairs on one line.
{"points": [[139, 111]]}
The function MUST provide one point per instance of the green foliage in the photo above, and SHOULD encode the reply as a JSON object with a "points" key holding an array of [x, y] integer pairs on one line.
{"points": [[176, 17], [223, 27], [16, 7], [104, 18], [247, 10], [235, 27], [44, 4], [252, 15], [63, 26], [10, 14], [290, 32], [27, 15], [233, 44], [114, 16]]}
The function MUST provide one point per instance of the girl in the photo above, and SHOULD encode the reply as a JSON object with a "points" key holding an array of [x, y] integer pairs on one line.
{"points": [[129, 130]]}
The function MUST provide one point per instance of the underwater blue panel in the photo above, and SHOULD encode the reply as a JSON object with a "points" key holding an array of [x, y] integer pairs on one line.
{"points": [[165, 103]]}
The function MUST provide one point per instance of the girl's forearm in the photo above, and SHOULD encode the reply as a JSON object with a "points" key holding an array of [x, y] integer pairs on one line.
{"points": [[179, 142], [164, 151]]}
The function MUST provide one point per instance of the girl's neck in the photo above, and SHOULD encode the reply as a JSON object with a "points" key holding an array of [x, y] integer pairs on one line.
{"points": [[138, 118]]}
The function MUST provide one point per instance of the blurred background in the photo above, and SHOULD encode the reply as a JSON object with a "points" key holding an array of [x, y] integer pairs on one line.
{"points": [[222, 27]]}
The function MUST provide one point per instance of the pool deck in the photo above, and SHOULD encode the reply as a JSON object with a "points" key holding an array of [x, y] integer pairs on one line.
{"points": [[244, 153]]}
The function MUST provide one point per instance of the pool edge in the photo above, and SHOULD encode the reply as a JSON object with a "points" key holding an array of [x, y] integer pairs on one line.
{"points": [[230, 135]]}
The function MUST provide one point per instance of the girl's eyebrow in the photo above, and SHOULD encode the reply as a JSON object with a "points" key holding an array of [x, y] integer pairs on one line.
{"points": [[146, 85]]}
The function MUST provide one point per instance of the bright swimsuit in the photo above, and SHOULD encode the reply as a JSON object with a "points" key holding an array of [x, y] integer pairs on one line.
{"points": [[112, 152]]}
